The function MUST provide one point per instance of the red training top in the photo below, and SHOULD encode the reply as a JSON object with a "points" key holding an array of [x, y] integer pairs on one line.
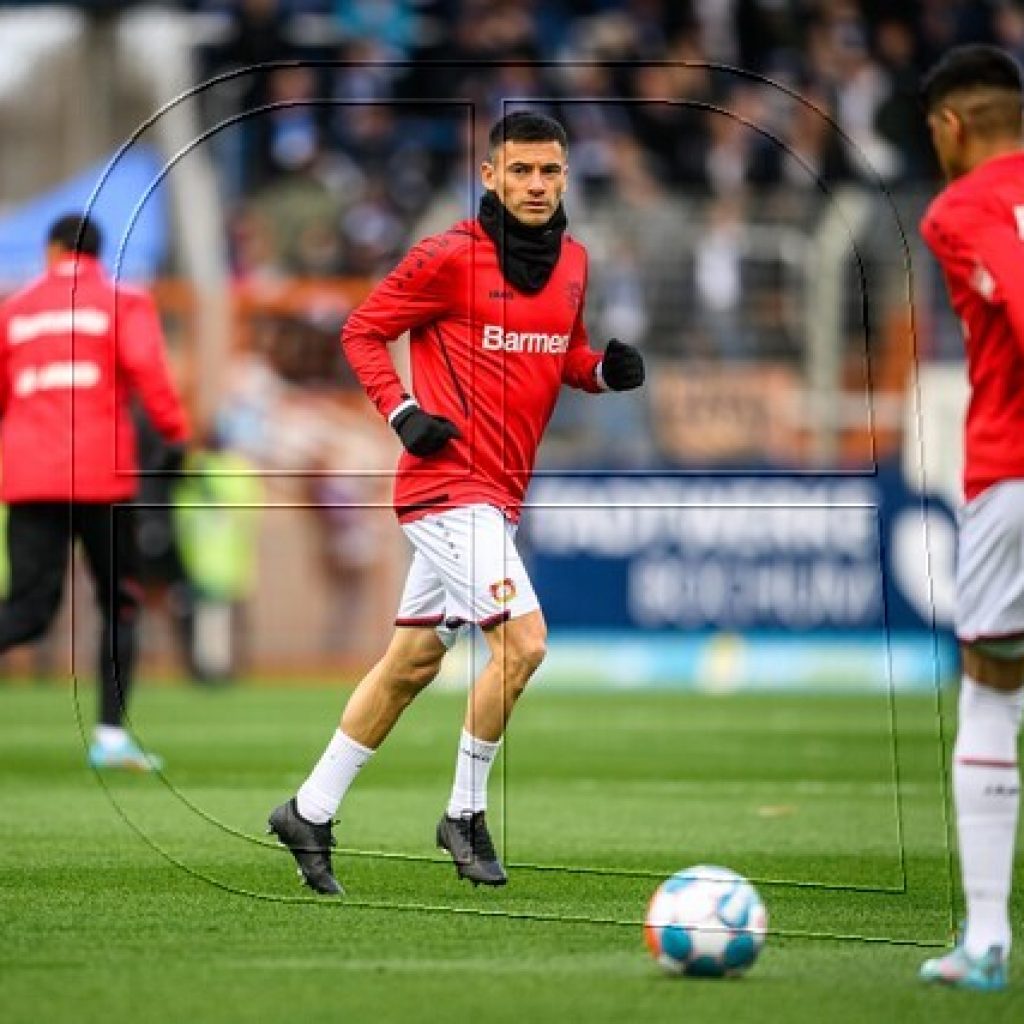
{"points": [[489, 357], [73, 349], [975, 227]]}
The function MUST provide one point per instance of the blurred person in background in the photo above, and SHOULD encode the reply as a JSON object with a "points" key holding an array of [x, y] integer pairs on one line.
{"points": [[75, 348], [494, 307], [249, 33], [350, 550], [216, 513]]}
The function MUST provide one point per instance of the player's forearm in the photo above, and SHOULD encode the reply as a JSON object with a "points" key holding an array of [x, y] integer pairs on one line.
{"points": [[580, 370], [165, 410], [371, 362]]}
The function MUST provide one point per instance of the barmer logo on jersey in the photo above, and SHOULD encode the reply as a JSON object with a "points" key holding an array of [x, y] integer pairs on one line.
{"points": [[503, 591], [497, 339]]}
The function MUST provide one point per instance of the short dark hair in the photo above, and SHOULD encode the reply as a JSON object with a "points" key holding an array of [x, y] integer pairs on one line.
{"points": [[527, 126], [970, 67], [76, 233]]}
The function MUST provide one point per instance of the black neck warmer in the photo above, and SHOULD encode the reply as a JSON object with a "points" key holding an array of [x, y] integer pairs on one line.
{"points": [[527, 255]]}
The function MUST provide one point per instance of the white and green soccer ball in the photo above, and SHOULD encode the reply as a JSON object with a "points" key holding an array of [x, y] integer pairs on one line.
{"points": [[706, 922]]}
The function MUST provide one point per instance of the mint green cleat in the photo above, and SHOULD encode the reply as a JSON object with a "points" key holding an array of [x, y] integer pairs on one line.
{"points": [[959, 969], [124, 756]]}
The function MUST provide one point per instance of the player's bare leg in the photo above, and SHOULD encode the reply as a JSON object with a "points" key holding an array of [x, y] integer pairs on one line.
{"points": [[303, 824], [986, 786], [410, 664], [517, 649]]}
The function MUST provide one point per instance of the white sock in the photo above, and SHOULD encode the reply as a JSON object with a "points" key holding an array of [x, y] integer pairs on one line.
{"points": [[472, 768], [319, 796], [110, 735], [986, 785]]}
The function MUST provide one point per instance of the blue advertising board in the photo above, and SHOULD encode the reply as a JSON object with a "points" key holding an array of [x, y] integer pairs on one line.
{"points": [[751, 580]]}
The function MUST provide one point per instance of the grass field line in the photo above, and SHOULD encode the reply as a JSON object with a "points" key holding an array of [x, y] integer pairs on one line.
{"points": [[611, 872]]}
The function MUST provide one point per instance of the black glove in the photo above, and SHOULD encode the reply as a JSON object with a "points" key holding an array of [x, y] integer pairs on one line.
{"points": [[622, 367], [172, 462], [421, 433]]}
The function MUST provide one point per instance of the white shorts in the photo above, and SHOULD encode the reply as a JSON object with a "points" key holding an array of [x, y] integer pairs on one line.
{"points": [[465, 570], [990, 565]]}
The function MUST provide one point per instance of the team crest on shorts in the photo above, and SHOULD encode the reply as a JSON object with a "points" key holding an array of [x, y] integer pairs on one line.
{"points": [[503, 591]]}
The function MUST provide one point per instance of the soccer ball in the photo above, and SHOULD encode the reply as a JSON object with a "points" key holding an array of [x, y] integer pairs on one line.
{"points": [[705, 922]]}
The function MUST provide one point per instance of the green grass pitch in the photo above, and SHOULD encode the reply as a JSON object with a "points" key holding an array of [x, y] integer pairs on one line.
{"points": [[160, 899]]}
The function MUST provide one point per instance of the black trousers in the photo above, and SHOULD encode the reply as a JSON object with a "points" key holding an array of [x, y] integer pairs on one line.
{"points": [[39, 539]]}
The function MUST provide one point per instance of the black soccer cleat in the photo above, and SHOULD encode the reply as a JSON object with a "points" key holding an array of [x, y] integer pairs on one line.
{"points": [[309, 844], [466, 838]]}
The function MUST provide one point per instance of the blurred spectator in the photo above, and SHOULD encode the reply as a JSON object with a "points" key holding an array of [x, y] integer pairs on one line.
{"points": [[594, 117], [718, 275], [251, 33], [255, 257], [348, 506], [767, 34], [299, 196], [812, 156], [1009, 28], [216, 516], [670, 121], [373, 233], [862, 87], [255, 32], [390, 24], [289, 133], [739, 153], [898, 118]]}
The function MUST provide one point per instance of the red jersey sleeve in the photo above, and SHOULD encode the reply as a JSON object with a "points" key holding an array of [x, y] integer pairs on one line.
{"points": [[141, 358], [580, 367], [992, 252], [4, 370], [413, 294]]}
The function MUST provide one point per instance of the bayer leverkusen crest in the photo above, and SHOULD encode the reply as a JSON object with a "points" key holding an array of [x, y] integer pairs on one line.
{"points": [[503, 591]]}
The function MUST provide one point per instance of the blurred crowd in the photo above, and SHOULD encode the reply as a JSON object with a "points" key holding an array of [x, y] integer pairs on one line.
{"points": [[345, 156]]}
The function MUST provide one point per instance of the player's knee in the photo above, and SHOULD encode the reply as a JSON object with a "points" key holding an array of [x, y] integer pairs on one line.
{"points": [[525, 656], [414, 674], [995, 664]]}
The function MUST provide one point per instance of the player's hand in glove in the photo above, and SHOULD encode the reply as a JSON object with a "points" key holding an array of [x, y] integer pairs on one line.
{"points": [[172, 462], [622, 367], [421, 433]]}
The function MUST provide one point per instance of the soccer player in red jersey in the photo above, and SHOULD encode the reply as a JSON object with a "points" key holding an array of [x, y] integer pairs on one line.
{"points": [[74, 350], [975, 228], [494, 307]]}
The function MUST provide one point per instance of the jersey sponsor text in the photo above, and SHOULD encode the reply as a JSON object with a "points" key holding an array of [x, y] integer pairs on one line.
{"points": [[29, 326], [79, 374], [497, 339]]}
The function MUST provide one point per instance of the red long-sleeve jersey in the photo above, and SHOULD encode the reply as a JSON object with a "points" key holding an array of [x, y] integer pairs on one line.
{"points": [[975, 228], [74, 348], [489, 357]]}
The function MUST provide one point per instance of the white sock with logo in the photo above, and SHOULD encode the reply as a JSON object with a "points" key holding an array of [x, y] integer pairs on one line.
{"points": [[472, 769], [320, 795], [986, 785]]}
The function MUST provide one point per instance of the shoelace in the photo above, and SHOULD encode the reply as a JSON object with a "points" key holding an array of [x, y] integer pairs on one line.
{"points": [[474, 829], [323, 835]]}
